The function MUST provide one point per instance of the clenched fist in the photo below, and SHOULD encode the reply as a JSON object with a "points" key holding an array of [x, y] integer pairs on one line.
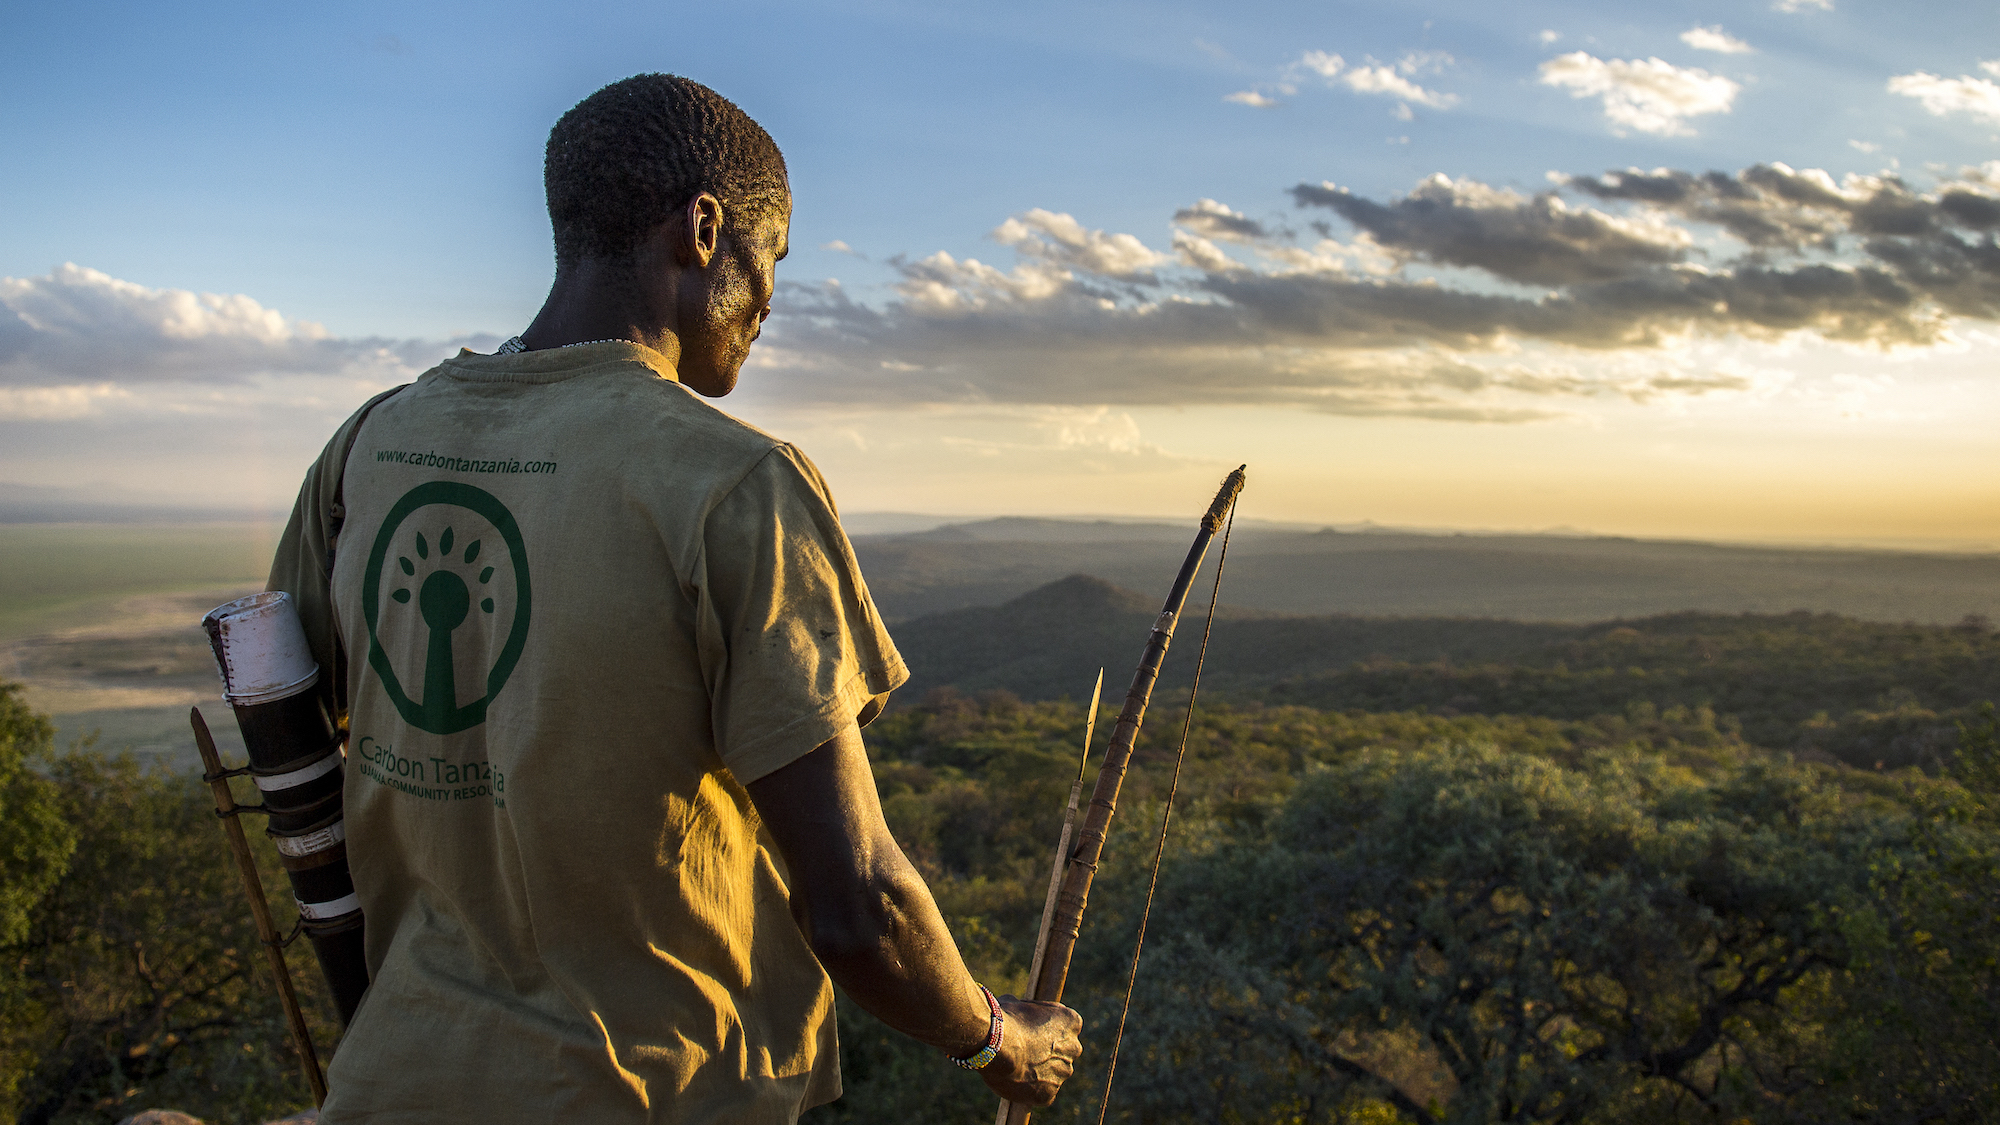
{"points": [[1038, 1051]]}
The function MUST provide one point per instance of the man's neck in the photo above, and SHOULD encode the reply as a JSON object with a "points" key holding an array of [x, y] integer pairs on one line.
{"points": [[596, 300]]}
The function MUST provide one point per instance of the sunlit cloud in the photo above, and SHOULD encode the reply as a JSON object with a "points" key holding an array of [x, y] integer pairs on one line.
{"points": [[1944, 96], [1377, 78], [76, 326], [63, 403], [1251, 98], [1058, 238], [1713, 38], [1649, 95]]}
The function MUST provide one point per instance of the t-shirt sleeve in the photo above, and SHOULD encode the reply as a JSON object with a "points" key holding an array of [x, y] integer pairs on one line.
{"points": [[302, 564], [299, 568], [796, 649]]}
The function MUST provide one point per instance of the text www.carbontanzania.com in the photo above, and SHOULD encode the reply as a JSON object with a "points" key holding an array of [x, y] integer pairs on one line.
{"points": [[430, 460]]}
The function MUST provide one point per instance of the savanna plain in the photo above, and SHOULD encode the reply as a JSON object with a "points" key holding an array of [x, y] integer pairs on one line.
{"points": [[1470, 828]]}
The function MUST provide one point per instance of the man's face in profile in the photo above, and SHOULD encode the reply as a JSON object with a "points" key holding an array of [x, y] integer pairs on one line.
{"points": [[733, 302]]}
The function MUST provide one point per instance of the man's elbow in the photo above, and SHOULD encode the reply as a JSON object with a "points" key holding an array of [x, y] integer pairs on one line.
{"points": [[865, 925]]}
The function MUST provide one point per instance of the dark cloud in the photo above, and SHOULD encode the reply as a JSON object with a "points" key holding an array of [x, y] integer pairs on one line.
{"points": [[1971, 210], [1210, 219], [1746, 209], [1324, 343], [1772, 206], [1538, 239], [1869, 261]]}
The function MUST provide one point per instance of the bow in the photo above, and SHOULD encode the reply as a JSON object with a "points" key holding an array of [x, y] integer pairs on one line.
{"points": [[1061, 925]]}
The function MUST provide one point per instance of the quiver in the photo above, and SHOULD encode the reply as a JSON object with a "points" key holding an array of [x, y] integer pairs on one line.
{"points": [[296, 759]]}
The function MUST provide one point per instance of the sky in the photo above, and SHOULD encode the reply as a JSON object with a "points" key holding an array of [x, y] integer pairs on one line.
{"points": [[1687, 270]]}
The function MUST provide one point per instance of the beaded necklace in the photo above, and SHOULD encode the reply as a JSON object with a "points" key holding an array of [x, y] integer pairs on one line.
{"points": [[515, 345]]}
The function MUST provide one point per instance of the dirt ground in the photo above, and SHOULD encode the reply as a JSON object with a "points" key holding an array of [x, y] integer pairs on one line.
{"points": [[129, 676]]}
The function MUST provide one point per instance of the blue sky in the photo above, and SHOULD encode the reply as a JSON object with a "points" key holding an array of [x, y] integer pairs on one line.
{"points": [[374, 169]]}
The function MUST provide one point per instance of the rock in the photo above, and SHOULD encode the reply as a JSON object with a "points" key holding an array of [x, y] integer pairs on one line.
{"points": [[176, 1117]]}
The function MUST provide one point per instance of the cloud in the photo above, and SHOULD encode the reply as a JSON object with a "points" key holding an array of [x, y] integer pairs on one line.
{"points": [[46, 404], [1375, 78], [1715, 39], [1203, 254], [1060, 239], [1549, 36], [1618, 267], [1458, 300], [1252, 98], [1383, 80], [1650, 95], [1792, 6], [1327, 66], [1539, 240], [1775, 207], [1090, 438], [1215, 220], [79, 324], [1944, 96], [77, 343]]}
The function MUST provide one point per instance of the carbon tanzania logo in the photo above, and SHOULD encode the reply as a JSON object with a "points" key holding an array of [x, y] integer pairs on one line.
{"points": [[438, 536]]}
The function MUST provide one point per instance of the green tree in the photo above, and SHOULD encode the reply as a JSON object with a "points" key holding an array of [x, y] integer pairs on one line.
{"points": [[137, 979], [1913, 1022], [35, 842], [1473, 936], [35, 846], [1976, 762]]}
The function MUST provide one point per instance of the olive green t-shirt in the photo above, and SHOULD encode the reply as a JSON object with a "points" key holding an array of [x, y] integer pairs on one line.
{"points": [[579, 609]]}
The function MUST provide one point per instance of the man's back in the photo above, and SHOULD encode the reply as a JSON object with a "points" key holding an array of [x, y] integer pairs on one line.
{"points": [[571, 594]]}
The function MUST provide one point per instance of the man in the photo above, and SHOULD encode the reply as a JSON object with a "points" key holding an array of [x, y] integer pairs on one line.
{"points": [[602, 648]]}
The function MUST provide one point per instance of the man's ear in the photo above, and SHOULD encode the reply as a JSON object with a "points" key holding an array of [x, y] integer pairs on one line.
{"points": [[702, 230]]}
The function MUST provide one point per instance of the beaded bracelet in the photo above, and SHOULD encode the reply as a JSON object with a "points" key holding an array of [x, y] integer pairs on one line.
{"points": [[978, 1059]]}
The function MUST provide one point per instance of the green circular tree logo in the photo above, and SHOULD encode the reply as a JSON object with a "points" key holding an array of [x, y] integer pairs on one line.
{"points": [[441, 571]]}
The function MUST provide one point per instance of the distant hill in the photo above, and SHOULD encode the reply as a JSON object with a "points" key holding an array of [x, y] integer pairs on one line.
{"points": [[1859, 691], [1050, 642], [1553, 578]]}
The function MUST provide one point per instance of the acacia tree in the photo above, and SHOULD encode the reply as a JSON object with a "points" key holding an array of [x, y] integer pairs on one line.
{"points": [[1464, 935]]}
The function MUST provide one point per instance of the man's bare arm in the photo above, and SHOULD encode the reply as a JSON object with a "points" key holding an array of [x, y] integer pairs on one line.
{"points": [[871, 920]]}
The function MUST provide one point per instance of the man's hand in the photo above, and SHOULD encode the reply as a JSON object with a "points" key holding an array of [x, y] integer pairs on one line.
{"points": [[1038, 1051]]}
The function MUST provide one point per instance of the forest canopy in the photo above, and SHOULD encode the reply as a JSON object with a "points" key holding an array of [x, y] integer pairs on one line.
{"points": [[1645, 871]]}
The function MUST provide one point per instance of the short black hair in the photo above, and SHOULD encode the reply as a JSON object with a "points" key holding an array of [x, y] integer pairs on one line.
{"points": [[624, 159]]}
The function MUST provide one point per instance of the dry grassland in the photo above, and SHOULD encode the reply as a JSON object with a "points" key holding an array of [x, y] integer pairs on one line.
{"points": [[103, 626]]}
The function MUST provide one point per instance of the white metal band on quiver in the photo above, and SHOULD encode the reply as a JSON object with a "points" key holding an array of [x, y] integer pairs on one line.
{"points": [[268, 677]]}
